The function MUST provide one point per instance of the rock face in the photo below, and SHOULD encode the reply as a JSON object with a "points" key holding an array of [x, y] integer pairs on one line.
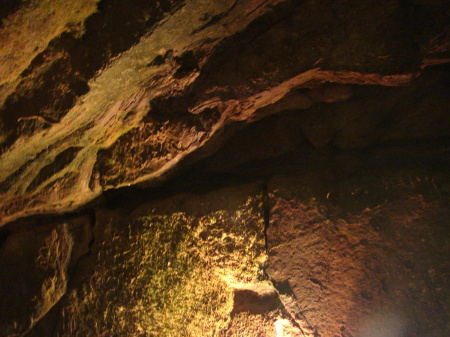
{"points": [[355, 250], [91, 106], [231, 168], [169, 267], [34, 272]]}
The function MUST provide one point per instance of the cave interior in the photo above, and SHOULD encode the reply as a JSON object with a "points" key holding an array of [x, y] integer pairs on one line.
{"points": [[245, 168]]}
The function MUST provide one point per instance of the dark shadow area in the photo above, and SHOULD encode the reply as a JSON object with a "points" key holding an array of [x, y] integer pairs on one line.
{"points": [[8, 7]]}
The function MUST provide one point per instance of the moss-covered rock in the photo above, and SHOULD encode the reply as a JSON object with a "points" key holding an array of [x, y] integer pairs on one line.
{"points": [[171, 271]]}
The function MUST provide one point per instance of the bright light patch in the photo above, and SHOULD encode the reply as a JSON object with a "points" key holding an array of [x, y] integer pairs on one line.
{"points": [[387, 324], [280, 325], [284, 328]]}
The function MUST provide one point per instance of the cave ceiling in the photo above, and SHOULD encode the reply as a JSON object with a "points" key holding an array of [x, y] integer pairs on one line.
{"points": [[225, 168], [98, 96]]}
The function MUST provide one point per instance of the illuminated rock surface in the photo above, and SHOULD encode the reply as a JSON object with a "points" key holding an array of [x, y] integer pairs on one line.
{"points": [[165, 164]]}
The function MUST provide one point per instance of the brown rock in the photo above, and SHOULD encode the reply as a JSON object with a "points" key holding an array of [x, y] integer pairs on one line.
{"points": [[340, 262], [33, 276], [142, 103], [257, 299]]}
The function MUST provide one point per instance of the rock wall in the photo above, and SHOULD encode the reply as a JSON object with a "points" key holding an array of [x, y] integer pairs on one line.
{"points": [[313, 250], [129, 93], [224, 168]]}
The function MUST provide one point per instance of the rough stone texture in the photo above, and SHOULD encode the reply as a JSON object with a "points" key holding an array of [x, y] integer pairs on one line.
{"points": [[33, 272], [357, 261], [255, 300], [170, 267], [315, 131], [133, 92]]}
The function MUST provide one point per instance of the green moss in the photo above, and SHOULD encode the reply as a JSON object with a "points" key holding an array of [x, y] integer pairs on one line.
{"points": [[169, 275]]}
